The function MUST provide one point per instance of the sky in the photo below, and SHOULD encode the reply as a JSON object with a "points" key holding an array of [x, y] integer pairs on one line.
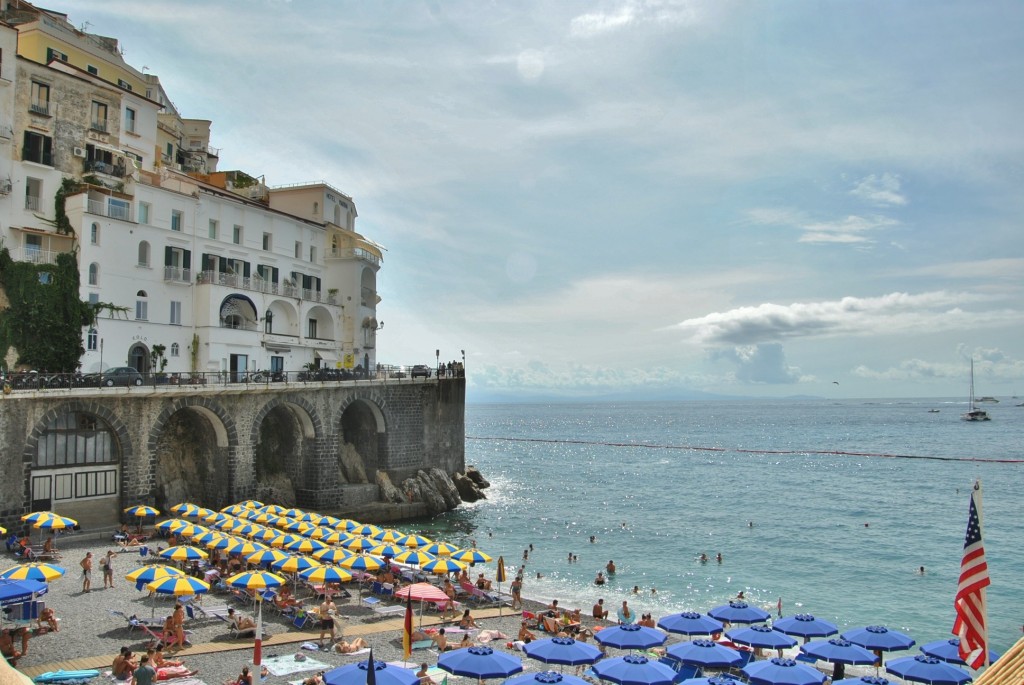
{"points": [[643, 199]]}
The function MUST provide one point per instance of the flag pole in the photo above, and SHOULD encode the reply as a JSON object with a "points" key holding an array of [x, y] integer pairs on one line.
{"points": [[970, 601], [983, 592]]}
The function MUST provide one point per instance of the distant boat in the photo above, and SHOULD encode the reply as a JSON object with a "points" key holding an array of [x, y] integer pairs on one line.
{"points": [[990, 400], [973, 413], [933, 411]]}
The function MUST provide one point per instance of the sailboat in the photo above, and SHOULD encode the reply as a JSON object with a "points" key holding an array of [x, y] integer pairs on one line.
{"points": [[973, 413]]}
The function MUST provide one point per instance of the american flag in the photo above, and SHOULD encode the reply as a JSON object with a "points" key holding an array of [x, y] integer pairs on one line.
{"points": [[970, 593]]}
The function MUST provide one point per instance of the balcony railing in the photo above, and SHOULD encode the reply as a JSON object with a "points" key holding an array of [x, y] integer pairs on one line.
{"points": [[112, 211], [117, 170], [261, 285], [173, 273], [99, 126], [32, 203], [40, 108], [354, 252], [34, 255]]}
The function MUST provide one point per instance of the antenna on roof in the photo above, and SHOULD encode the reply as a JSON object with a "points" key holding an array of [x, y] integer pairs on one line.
{"points": [[84, 27]]}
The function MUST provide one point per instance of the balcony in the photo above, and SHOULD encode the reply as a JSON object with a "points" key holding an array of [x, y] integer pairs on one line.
{"points": [[177, 274], [354, 253], [260, 285], [40, 108], [116, 170], [122, 212], [35, 255], [32, 203], [100, 126]]}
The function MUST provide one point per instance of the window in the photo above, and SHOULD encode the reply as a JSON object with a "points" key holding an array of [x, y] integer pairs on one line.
{"points": [[177, 264], [276, 364], [40, 103], [94, 274], [170, 150], [143, 212], [143, 253], [94, 234], [129, 120], [45, 277], [33, 247], [175, 349], [75, 438], [119, 209], [94, 298], [268, 322], [99, 116], [52, 54], [91, 340], [312, 254], [38, 149], [316, 208], [213, 229], [141, 306], [236, 234], [92, 70], [298, 249], [175, 314], [312, 329], [176, 219], [267, 242], [121, 83]]}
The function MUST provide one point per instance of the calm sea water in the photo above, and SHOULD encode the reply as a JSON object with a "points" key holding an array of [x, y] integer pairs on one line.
{"points": [[838, 535]]}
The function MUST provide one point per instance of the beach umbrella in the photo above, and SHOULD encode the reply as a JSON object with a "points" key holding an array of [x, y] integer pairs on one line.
{"points": [[300, 527], [185, 509], [949, 650], [325, 574], [147, 574], [293, 513], [275, 509], [690, 623], [204, 513], [19, 591], [471, 556], [268, 535], [383, 674], [365, 529], [386, 550], [442, 566], [704, 653], [717, 679], [413, 541], [233, 509], [347, 525], [178, 586], [760, 636], [3, 531], [255, 580], [424, 592], [171, 525], [739, 612], [545, 678], [362, 562], [190, 530], [440, 549], [805, 625], [359, 544], [305, 546], [388, 535], [246, 528], [331, 537], [34, 571], [878, 637], [55, 523], [863, 680], [782, 672], [295, 564], [183, 553], [320, 532], [630, 636], [244, 548], [562, 650], [35, 516], [414, 557], [266, 517], [332, 555], [251, 504], [209, 536], [141, 511], [266, 557], [479, 662], [634, 669], [197, 531], [220, 541], [225, 524], [927, 669], [838, 651], [215, 517]]}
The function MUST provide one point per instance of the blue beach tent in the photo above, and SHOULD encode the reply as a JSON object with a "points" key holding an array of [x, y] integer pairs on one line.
{"points": [[18, 591]]}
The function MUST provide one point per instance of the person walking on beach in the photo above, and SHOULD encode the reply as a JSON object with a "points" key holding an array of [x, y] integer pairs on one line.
{"points": [[86, 564], [327, 610], [108, 570], [517, 593]]}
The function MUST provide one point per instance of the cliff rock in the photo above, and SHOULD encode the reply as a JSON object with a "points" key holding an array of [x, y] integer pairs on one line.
{"points": [[477, 477], [388, 492], [467, 487]]}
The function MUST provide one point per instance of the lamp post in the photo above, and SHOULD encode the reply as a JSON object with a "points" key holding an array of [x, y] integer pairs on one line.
{"points": [[101, 361], [437, 366], [463, 362]]}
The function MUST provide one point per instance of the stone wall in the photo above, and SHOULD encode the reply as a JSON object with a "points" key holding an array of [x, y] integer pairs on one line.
{"points": [[206, 438]]}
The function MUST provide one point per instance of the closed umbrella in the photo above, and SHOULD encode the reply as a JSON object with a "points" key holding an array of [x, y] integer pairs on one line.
{"points": [[927, 669], [562, 650], [634, 669], [705, 654], [358, 674], [760, 636], [630, 636], [479, 662], [739, 612], [690, 623], [805, 625], [782, 672]]}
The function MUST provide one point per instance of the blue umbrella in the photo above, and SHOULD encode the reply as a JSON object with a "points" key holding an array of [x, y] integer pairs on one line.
{"points": [[838, 651], [879, 637], [863, 680], [949, 650], [782, 672], [634, 669], [18, 591], [545, 678], [805, 625], [705, 653], [690, 623], [739, 612], [356, 674], [479, 662], [760, 636], [562, 650], [718, 679], [630, 636], [927, 669]]}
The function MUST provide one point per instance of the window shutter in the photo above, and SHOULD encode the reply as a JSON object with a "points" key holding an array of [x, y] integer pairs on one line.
{"points": [[186, 259], [245, 269], [274, 274], [168, 256]]}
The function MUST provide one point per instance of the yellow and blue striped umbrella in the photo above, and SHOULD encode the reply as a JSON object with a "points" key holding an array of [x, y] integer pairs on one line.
{"points": [[37, 516], [413, 541], [472, 556], [268, 535], [347, 525], [388, 535], [55, 523], [267, 517], [386, 550], [362, 562], [252, 504], [141, 511], [293, 513], [215, 517], [186, 509], [234, 509], [190, 531], [305, 545], [300, 527], [153, 572], [415, 557], [34, 571], [334, 537], [245, 547], [226, 523], [183, 553], [441, 549], [197, 533], [367, 529], [266, 556], [295, 564], [275, 509], [214, 539], [172, 525], [359, 544], [326, 574], [178, 586], [443, 565], [332, 555], [255, 580]]}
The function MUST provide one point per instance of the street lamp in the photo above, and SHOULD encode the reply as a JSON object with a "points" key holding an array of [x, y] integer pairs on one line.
{"points": [[463, 362]]}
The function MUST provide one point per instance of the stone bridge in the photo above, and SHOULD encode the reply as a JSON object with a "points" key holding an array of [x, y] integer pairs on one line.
{"points": [[89, 452]]}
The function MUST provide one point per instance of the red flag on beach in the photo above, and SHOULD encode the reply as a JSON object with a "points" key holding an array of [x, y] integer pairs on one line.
{"points": [[970, 593], [407, 629]]}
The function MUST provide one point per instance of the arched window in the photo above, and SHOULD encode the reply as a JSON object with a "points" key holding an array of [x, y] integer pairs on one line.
{"points": [[141, 306], [94, 274], [91, 340], [94, 234], [268, 322], [143, 253], [316, 208], [175, 349]]}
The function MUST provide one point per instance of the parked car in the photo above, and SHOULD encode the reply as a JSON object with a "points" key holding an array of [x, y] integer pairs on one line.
{"points": [[118, 375], [420, 370]]}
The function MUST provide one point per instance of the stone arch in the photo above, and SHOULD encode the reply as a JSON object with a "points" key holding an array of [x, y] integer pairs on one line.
{"points": [[284, 437], [362, 437], [192, 450]]}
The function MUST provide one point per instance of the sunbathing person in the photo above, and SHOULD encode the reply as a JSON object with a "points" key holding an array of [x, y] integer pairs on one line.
{"points": [[49, 617], [165, 670], [467, 621], [343, 647], [483, 583], [7, 647], [441, 641], [239, 622], [124, 665], [524, 633]]}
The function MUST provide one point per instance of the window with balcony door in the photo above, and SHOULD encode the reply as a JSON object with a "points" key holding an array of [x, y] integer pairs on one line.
{"points": [[312, 254], [141, 306], [91, 340], [40, 103], [94, 274], [177, 218], [99, 116], [33, 193], [236, 234], [37, 148], [175, 314], [311, 332], [298, 249], [267, 242], [268, 322], [129, 120]]}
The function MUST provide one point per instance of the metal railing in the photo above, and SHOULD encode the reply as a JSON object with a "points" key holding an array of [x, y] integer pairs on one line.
{"points": [[34, 256], [353, 252], [40, 108], [173, 273], [32, 202], [117, 170], [262, 285], [106, 209], [99, 126]]}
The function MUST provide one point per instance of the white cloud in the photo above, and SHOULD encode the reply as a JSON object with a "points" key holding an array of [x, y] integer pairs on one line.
{"points": [[849, 316], [596, 23], [988, 363], [849, 229], [763, 363], [635, 13], [881, 190]]}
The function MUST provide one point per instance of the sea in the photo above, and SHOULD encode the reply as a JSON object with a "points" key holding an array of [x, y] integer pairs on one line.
{"points": [[829, 507]]}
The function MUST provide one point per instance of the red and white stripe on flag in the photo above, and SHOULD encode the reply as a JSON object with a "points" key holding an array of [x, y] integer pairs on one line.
{"points": [[970, 593]]}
